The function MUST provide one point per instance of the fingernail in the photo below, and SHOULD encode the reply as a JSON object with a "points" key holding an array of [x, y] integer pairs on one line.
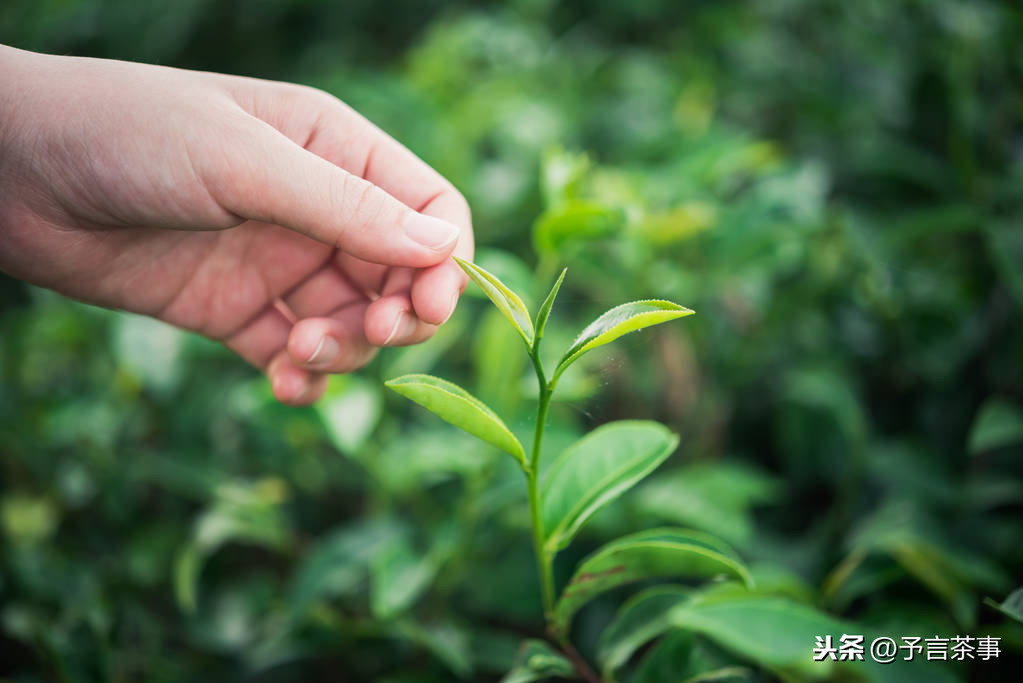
{"points": [[326, 351], [430, 232], [451, 307], [287, 387], [404, 325]]}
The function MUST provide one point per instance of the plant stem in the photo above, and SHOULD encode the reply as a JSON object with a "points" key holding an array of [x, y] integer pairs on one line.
{"points": [[581, 667], [544, 565]]}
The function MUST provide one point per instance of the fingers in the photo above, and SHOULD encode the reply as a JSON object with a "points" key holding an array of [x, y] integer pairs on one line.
{"points": [[390, 321], [332, 130], [293, 385], [267, 177], [316, 347], [334, 343]]}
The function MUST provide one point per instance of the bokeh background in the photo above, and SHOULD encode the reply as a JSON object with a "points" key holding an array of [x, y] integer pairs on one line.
{"points": [[835, 187]]}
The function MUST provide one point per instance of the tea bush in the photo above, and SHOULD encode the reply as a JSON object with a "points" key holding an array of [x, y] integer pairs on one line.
{"points": [[835, 188]]}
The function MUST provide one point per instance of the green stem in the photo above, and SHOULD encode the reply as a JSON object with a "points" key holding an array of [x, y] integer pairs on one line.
{"points": [[544, 561]]}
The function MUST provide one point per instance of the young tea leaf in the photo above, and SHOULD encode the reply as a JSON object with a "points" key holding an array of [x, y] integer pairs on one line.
{"points": [[538, 661], [654, 553], [507, 301], [545, 308], [454, 404], [597, 469], [619, 321]]}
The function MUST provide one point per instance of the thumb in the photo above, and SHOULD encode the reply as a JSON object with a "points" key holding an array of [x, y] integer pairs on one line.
{"points": [[272, 179]]}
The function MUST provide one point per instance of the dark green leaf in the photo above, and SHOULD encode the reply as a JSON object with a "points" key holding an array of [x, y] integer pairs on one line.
{"points": [[648, 554], [641, 619], [338, 563], [998, 424]]}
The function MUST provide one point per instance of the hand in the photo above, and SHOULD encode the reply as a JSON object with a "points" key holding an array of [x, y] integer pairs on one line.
{"points": [[265, 215]]}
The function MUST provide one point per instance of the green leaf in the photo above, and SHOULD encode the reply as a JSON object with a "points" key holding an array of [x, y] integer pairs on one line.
{"points": [[1011, 607], [499, 363], [398, 578], [545, 308], [1005, 248], [619, 321], [780, 634], [714, 497], [537, 660], [244, 512], [668, 660], [641, 619], [350, 411], [770, 631], [574, 221], [338, 563], [507, 301], [597, 469], [454, 404], [447, 641], [648, 554], [998, 424], [905, 532]]}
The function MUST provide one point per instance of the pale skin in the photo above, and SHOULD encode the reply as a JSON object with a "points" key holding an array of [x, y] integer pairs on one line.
{"points": [[268, 216]]}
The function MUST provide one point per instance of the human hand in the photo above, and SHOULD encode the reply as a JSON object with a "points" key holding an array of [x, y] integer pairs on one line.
{"points": [[268, 216]]}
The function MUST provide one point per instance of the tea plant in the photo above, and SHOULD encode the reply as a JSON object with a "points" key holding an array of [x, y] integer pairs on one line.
{"points": [[587, 476]]}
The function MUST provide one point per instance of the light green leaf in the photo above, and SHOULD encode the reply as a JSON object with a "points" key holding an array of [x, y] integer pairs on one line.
{"points": [[398, 578], [350, 410], [597, 469], [562, 173], [499, 363], [998, 424], [641, 619], [507, 301], [338, 563], [506, 267], [648, 554], [243, 512], [574, 221], [545, 308], [619, 321], [454, 404], [1011, 607], [536, 661], [150, 350]]}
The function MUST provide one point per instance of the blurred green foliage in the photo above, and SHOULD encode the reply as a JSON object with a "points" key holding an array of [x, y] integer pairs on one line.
{"points": [[835, 187]]}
